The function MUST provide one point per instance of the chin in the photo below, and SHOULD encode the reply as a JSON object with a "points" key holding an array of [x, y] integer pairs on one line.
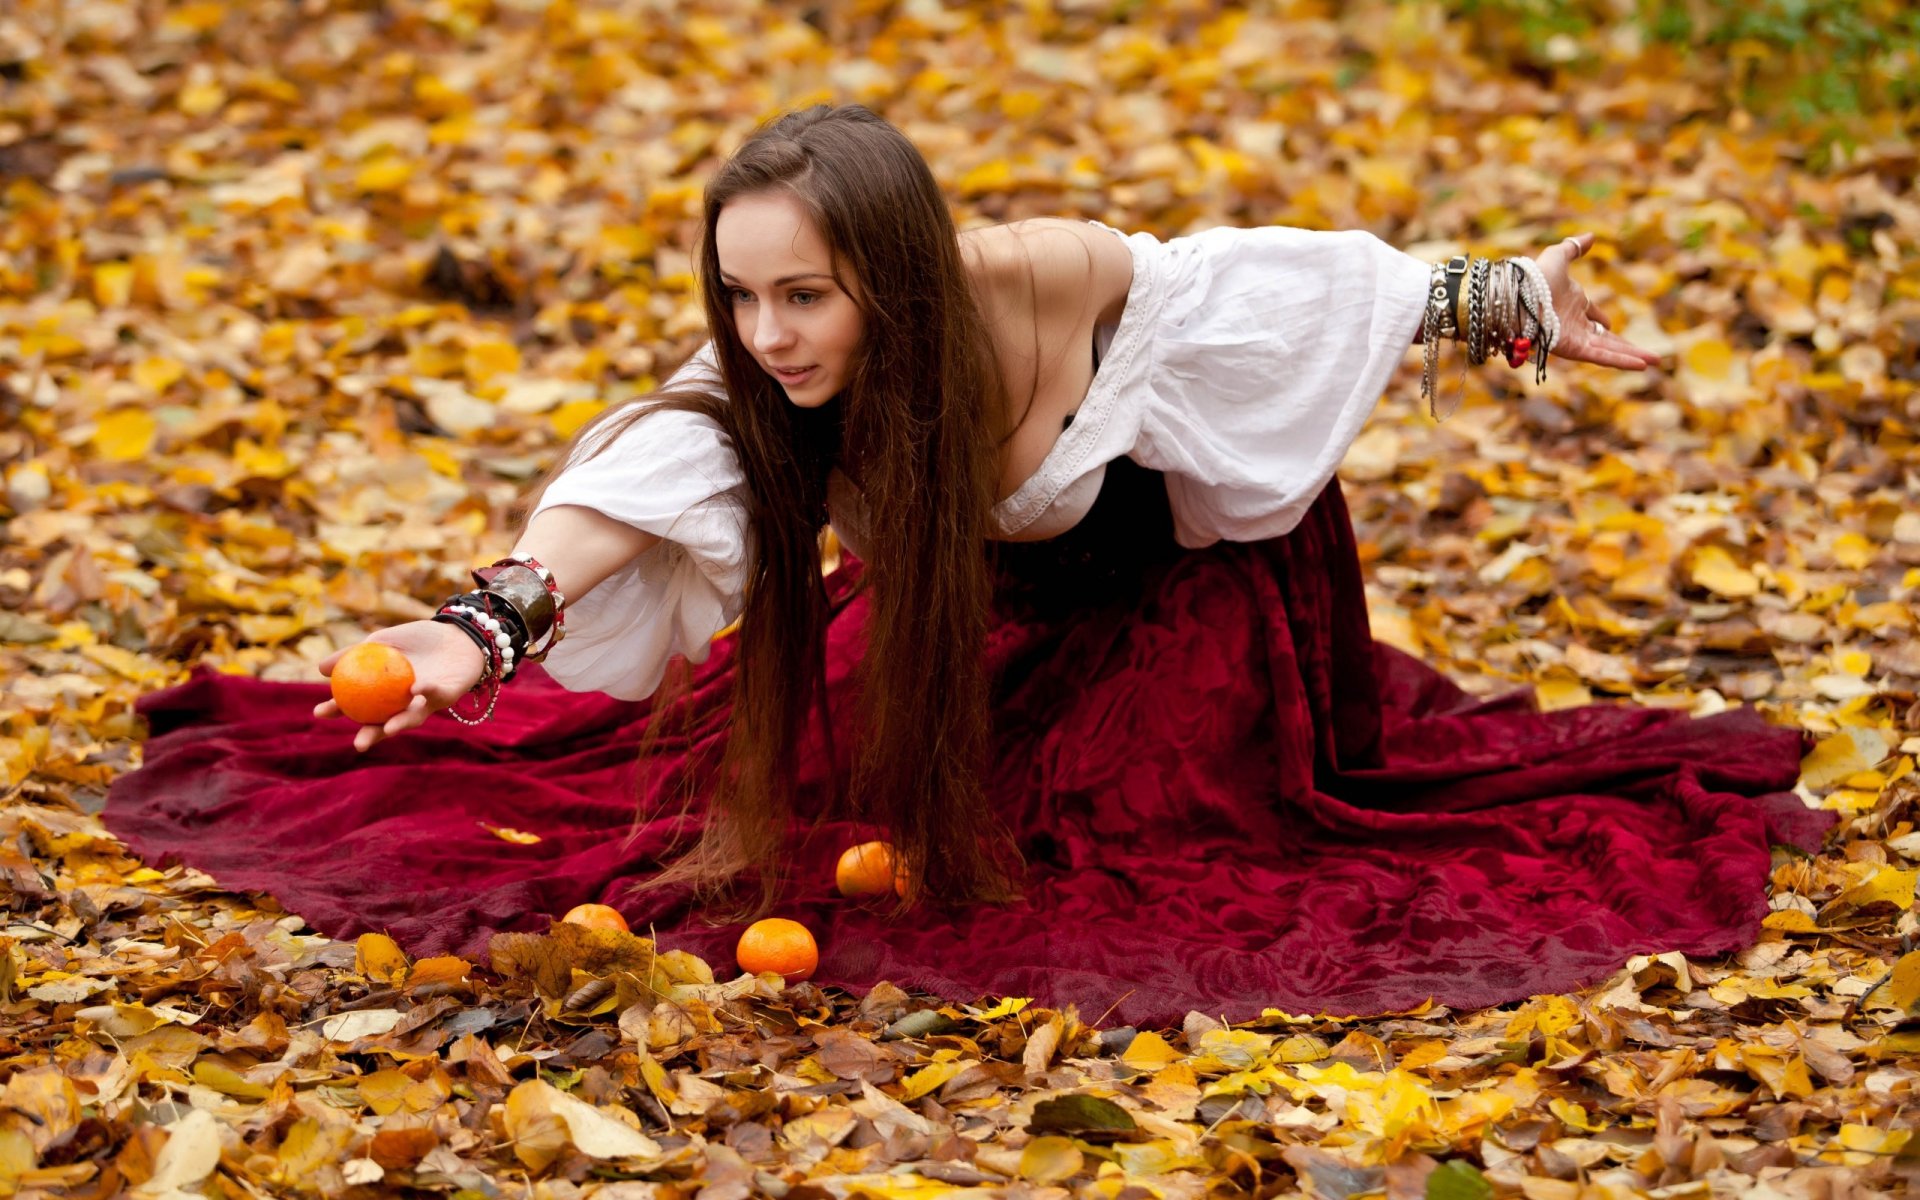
{"points": [[813, 397]]}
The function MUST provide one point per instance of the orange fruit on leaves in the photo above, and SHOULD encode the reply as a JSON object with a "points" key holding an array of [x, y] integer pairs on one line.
{"points": [[870, 869], [598, 916], [372, 682], [778, 945]]}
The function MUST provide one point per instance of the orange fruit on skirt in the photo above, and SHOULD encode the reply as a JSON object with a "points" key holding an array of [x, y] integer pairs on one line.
{"points": [[598, 916], [372, 682], [778, 945], [870, 869]]}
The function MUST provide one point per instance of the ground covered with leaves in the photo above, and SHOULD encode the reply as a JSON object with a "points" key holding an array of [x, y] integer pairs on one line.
{"points": [[297, 297]]}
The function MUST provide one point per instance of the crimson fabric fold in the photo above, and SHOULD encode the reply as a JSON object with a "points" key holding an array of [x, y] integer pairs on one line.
{"points": [[1228, 796]]}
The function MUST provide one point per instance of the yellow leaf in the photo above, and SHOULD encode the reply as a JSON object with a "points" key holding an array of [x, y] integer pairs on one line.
{"points": [[1422, 1055], [256, 461], [46, 1102], [442, 968], [515, 836], [1006, 1008], [157, 373], [489, 358], [995, 176], [1020, 104], [378, 956], [1871, 1139], [201, 97], [209, 1072], [1854, 662], [1574, 1116], [113, 284], [1557, 693], [126, 435], [1903, 985], [538, 1135], [1849, 800], [542, 1119], [434, 360], [1049, 1160], [569, 417], [1789, 920], [1888, 885], [308, 1146], [929, 1079], [1852, 750], [199, 17], [1148, 1051], [1553, 1014], [1710, 358], [1715, 570], [1784, 1077], [16, 1159], [1852, 551], [385, 174]]}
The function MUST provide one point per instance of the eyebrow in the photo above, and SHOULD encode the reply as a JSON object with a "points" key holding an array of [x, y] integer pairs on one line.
{"points": [[784, 280]]}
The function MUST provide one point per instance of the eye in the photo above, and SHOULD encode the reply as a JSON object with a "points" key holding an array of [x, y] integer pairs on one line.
{"points": [[810, 297], [734, 295]]}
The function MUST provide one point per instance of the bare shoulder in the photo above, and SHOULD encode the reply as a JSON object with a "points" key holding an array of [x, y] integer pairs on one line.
{"points": [[1059, 266]]}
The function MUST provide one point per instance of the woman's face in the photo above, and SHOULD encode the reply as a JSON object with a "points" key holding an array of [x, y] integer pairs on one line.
{"points": [[788, 311]]}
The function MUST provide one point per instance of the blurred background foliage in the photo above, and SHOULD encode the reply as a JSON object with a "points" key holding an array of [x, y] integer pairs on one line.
{"points": [[1808, 63]]}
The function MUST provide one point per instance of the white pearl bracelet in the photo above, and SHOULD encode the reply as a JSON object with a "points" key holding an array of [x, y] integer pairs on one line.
{"points": [[496, 631]]}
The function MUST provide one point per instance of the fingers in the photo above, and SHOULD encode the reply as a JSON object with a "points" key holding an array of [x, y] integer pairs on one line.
{"points": [[410, 717], [1611, 350]]}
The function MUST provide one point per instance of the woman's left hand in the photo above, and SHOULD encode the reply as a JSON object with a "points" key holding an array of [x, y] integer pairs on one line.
{"points": [[1585, 334]]}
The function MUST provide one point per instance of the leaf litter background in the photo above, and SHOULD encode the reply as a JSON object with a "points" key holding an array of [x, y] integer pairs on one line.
{"points": [[299, 296]]}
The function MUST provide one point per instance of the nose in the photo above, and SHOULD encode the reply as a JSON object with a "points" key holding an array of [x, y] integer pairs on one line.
{"points": [[769, 333]]}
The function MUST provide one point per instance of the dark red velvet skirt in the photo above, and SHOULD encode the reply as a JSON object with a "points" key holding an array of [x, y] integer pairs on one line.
{"points": [[1228, 797]]}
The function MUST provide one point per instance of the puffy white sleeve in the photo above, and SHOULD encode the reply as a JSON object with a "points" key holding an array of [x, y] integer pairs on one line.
{"points": [[675, 475], [1264, 361]]}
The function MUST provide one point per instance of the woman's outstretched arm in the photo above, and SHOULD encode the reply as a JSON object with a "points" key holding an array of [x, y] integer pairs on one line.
{"points": [[580, 546]]}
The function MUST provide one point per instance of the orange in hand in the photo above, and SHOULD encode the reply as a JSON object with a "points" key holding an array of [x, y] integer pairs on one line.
{"points": [[597, 916], [779, 945], [870, 869], [372, 682]]}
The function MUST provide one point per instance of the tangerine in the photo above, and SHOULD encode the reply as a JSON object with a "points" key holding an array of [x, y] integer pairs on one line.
{"points": [[778, 945], [372, 682], [870, 869], [596, 916]]}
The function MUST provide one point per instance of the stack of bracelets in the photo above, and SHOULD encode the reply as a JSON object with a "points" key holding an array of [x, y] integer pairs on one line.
{"points": [[1509, 310], [516, 606]]}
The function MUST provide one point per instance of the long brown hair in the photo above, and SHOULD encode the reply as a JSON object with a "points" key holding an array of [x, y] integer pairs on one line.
{"points": [[917, 430]]}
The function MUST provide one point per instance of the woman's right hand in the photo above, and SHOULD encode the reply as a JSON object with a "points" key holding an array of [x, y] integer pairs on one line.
{"points": [[446, 666]]}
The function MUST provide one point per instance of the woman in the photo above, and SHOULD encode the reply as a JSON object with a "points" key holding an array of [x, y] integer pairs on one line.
{"points": [[937, 397]]}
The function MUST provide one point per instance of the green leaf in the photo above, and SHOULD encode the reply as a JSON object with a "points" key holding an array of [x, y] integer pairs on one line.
{"points": [[1458, 1180], [1081, 1115]]}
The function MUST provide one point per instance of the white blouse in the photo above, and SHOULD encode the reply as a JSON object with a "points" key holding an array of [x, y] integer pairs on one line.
{"points": [[1244, 365]]}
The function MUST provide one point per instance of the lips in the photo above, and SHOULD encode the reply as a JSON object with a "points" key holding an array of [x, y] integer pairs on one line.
{"points": [[794, 376]]}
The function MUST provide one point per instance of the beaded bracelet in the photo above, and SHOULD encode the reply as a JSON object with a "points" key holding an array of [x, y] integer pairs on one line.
{"points": [[496, 636], [489, 670]]}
